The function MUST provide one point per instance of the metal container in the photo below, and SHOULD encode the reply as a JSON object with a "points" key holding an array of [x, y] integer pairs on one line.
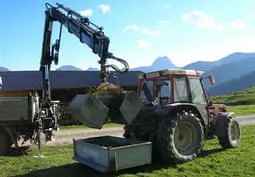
{"points": [[108, 153], [19, 109], [13, 109]]}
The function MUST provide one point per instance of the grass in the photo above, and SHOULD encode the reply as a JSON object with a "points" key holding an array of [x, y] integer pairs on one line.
{"points": [[214, 161], [241, 102], [242, 110], [242, 97]]}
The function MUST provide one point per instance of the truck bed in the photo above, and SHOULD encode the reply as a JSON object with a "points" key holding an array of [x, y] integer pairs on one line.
{"points": [[14, 109]]}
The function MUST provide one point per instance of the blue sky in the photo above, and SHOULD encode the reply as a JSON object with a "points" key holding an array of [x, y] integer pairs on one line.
{"points": [[140, 31]]}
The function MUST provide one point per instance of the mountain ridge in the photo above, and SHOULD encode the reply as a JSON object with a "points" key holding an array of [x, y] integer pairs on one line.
{"points": [[159, 63], [3, 68], [208, 65], [243, 82], [68, 68]]}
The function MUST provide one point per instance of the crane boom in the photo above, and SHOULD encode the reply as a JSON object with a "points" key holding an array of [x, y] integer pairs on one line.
{"points": [[86, 31]]}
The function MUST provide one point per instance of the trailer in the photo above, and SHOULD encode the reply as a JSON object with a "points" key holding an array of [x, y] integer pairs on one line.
{"points": [[111, 154], [26, 118]]}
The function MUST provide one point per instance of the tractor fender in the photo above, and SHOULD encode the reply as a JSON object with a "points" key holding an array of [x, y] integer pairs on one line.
{"points": [[182, 106], [221, 124], [187, 107]]}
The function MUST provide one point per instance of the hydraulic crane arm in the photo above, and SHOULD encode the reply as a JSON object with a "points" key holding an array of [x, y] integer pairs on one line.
{"points": [[87, 32]]}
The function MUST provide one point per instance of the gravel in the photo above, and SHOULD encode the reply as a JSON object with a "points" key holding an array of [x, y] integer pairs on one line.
{"points": [[67, 136]]}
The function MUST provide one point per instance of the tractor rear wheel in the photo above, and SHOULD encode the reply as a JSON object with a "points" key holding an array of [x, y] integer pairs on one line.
{"points": [[180, 138], [232, 136]]}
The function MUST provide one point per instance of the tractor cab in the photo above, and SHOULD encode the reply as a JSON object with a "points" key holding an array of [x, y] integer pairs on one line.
{"points": [[171, 86]]}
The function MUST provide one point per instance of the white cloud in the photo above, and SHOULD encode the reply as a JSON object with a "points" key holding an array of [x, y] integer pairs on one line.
{"points": [[131, 28], [163, 22], [105, 8], [237, 24], [168, 6], [202, 20], [143, 44], [142, 30], [209, 51], [150, 32], [252, 15], [86, 12]]}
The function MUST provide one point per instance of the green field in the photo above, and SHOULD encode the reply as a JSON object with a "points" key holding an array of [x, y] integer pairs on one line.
{"points": [[242, 110], [214, 161], [243, 97], [241, 102]]}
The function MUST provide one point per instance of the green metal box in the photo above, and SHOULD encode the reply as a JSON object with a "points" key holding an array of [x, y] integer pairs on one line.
{"points": [[108, 153]]}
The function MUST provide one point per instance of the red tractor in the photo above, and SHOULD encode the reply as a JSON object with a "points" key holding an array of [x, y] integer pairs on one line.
{"points": [[176, 115]]}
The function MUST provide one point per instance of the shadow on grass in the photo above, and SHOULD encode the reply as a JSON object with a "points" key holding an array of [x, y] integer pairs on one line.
{"points": [[205, 153], [79, 170], [20, 151]]}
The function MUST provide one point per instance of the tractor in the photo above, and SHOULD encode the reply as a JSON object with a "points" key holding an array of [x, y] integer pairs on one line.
{"points": [[176, 115]]}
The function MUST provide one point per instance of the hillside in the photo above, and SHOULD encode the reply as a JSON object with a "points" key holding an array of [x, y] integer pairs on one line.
{"points": [[206, 65], [202, 65], [242, 97], [233, 85], [227, 72], [233, 70], [3, 68]]}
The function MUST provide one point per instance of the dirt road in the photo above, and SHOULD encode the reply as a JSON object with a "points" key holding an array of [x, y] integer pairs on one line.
{"points": [[246, 120], [67, 136]]}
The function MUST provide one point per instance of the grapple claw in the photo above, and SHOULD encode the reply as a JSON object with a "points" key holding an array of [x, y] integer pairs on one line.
{"points": [[89, 110], [130, 106]]}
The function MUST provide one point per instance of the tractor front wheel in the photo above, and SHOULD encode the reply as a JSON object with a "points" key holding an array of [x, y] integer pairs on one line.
{"points": [[231, 139], [180, 138]]}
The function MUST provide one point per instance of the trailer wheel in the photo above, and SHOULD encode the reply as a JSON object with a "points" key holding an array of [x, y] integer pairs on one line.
{"points": [[180, 138], [5, 142], [232, 135]]}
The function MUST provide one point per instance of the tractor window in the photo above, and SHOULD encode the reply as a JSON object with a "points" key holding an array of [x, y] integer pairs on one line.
{"points": [[180, 90], [163, 92], [149, 85], [196, 90]]}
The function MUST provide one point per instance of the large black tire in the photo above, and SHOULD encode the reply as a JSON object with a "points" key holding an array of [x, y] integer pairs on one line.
{"points": [[180, 138], [232, 135], [4, 142]]}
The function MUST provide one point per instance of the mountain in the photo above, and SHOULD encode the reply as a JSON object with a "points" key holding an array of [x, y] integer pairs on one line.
{"points": [[237, 56], [92, 69], [159, 63], [3, 68], [206, 66], [202, 65], [68, 68], [232, 70], [227, 71], [234, 85]]}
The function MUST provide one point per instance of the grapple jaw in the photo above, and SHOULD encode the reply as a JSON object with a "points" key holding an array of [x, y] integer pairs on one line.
{"points": [[130, 107], [89, 110], [93, 110]]}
